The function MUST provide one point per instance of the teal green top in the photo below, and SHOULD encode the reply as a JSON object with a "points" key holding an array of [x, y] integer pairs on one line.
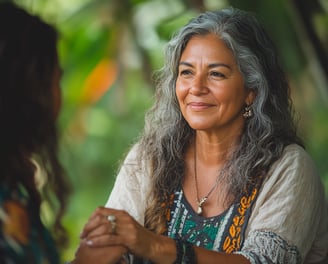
{"points": [[187, 225], [23, 237]]}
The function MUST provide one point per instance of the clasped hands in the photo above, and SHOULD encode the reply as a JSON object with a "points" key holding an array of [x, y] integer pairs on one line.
{"points": [[108, 235]]}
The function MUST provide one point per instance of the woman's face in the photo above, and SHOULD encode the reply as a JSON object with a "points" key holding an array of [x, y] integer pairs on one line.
{"points": [[210, 88]]}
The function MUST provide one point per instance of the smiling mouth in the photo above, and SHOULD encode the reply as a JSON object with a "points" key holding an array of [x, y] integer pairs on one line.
{"points": [[199, 105]]}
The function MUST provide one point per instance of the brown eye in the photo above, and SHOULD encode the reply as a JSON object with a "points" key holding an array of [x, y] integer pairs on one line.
{"points": [[217, 74], [185, 72]]}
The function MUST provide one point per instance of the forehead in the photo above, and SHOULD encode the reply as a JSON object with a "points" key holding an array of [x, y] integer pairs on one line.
{"points": [[208, 47]]}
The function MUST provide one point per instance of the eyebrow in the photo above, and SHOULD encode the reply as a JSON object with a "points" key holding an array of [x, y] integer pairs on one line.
{"points": [[211, 65]]}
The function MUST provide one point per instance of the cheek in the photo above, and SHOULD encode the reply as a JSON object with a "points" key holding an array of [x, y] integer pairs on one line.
{"points": [[180, 91], [229, 93]]}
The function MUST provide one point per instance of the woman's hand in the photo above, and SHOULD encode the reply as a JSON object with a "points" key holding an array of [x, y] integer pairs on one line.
{"points": [[110, 227], [100, 255]]}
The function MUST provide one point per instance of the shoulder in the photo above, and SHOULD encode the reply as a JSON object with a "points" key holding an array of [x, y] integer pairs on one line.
{"points": [[295, 154], [134, 167], [295, 164], [132, 186], [292, 177], [131, 156], [291, 202]]}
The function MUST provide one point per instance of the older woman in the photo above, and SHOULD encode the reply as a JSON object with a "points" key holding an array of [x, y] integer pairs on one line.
{"points": [[219, 174]]}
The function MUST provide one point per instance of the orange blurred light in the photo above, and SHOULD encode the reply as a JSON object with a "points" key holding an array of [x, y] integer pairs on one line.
{"points": [[99, 81]]}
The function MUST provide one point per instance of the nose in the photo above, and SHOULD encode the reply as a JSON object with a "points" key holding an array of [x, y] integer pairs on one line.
{"points": [[198, 85]]}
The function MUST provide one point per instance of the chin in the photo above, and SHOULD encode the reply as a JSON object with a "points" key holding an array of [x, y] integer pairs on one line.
{"points": [[197, 126]]}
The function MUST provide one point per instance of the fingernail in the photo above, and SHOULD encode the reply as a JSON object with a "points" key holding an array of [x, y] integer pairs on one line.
{"points": [[89, 242]]}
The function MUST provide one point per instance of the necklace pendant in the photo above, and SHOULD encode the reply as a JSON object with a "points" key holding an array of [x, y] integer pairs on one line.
{"points": [[200, 203], [199, 210]]}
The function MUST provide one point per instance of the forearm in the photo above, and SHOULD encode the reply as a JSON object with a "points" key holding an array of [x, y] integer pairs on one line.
{"points": [[105, 255], [167, 250], [162, 250]]}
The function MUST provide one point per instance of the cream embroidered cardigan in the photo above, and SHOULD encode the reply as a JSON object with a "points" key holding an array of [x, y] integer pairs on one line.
{"points": [[290, 213]]}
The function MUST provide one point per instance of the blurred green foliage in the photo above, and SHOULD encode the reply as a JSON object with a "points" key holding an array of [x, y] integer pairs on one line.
{"points": [[123, 40]]}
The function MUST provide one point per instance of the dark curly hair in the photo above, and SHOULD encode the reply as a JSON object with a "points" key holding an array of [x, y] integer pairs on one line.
{"points": [[28, 107]]}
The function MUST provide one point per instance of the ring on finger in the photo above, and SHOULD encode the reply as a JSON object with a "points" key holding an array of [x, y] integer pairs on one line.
{"points": [[112, 220]]}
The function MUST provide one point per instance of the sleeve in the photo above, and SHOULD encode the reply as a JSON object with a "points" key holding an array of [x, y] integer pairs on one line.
{"points": [[131, 188], [289, 222]]}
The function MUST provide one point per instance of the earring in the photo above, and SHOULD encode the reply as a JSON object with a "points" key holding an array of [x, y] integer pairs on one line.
{"points": [[248, 112]]}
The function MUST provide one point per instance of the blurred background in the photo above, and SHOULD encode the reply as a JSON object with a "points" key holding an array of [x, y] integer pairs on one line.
{"points": [[109, 50]]}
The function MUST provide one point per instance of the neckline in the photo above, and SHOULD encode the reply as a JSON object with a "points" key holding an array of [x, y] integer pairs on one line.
{"points": [[200, 217]]}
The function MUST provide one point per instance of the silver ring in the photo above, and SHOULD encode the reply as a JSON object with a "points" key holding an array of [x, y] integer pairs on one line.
{"points": [[112, 220]]}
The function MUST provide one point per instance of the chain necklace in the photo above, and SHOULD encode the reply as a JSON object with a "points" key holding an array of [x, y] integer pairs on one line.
{"points": [[202, 200]]}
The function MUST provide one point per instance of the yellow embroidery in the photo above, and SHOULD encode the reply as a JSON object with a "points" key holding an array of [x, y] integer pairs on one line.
{"points": [[233, 240]]}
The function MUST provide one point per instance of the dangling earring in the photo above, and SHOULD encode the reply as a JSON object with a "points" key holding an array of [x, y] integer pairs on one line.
{"points": [[248, 112]]}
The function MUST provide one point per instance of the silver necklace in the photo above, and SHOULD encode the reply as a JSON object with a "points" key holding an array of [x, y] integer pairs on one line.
{"points": [[202, 200]]}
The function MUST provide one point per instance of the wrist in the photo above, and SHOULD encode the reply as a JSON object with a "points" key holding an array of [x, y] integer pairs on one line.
{"points": [[185, 252], [163, 251]]}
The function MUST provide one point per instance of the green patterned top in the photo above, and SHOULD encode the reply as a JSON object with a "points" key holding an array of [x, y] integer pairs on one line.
{"points": [[23, 237], [187, 225]]}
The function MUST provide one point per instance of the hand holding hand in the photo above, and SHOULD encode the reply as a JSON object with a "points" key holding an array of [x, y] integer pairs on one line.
{"points": [[110, 227]]}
